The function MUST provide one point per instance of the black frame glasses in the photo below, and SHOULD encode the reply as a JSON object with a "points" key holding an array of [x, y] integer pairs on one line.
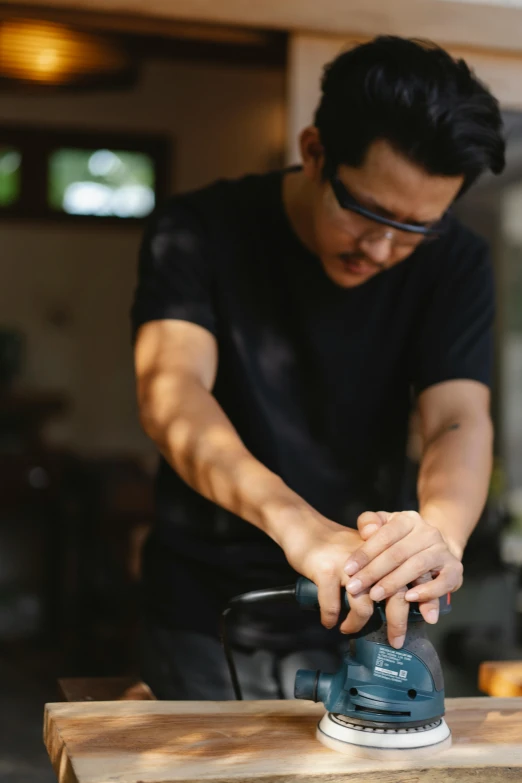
{"points": [[347, 201]]}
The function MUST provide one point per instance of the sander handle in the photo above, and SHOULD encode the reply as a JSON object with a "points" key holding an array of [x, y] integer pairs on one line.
{"points": [[307, 597]]}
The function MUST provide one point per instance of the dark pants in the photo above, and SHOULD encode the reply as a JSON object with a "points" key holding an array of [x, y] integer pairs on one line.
{"points": [[185, 665]]}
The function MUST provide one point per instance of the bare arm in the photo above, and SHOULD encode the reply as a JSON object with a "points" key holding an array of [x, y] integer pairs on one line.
{"points": [[453, 483], [457, 458], [176, 366]]}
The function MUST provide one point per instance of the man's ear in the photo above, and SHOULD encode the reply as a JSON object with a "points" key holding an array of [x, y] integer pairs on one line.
{"points": [[312, 153]]}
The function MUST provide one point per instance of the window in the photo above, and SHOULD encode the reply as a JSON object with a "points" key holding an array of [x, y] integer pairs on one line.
{"points": [[101, 182], [77, 176]]}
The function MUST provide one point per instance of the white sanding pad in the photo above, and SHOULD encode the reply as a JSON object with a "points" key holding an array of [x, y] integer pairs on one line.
{"points": [[337, 733]]}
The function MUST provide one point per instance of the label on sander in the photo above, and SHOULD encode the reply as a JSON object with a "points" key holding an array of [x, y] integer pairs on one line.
{"points": [[392, 665]]}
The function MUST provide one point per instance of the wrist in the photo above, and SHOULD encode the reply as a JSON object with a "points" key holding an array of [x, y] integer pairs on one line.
{"points": [[455, 547], [436, 517], [284, 514], [297, 528], [262, 498], [267, 502]]}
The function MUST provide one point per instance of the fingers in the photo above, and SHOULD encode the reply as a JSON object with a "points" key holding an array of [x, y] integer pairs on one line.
{"points": [[396, 557], [397, 609], [361, 606], [398, 526], [395, 578], [388, 567], [369, 522], [428, 609], [448, 577], [329, 596], [448, 580], [361, 609], [435, 559]]}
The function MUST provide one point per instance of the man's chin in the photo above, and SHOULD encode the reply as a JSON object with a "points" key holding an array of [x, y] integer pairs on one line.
{"points": [[344, 276]]}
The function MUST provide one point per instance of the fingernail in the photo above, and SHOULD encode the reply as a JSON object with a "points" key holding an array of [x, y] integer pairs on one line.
{"points": [[398, 641], [355, 586], [412, 596], [370, 529], [377, 593], [433, 615], [351, 567]]}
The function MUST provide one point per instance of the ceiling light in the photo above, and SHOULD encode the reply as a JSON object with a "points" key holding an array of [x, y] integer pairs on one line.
{"points": [[55, 54]]}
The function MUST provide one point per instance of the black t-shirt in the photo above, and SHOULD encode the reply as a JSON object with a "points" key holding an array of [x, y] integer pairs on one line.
{"points": [[318, 380]]}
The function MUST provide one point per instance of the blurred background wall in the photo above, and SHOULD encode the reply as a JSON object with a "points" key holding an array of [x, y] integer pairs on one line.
{"points": [[221, 121]]}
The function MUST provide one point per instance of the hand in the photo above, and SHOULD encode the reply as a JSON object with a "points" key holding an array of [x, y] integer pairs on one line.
{"points": [[406, 549], [397, 608], [318, 548]]}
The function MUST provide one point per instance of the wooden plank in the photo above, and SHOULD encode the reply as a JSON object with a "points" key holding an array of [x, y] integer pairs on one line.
{"points": [[501, 678], [104, 689], [263, 742]]}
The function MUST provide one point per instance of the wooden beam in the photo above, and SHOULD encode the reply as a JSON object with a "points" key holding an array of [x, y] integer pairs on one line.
{"points": [[476, 24], [138, 25], [168, 39]]}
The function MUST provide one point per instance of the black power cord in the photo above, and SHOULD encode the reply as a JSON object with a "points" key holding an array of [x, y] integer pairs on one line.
{"points": [[274, 594]]}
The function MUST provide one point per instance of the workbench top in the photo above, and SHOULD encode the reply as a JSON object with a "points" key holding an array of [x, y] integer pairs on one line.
{"points": [[263, 742]]}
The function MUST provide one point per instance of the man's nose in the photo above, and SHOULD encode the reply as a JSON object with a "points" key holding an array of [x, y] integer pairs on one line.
{"points": [[377, 250]]}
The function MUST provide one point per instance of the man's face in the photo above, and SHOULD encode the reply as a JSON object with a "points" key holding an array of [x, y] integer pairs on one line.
{"points": [[353, 248]]}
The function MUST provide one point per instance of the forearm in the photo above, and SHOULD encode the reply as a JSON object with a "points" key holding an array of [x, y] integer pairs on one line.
{"points": [[454, 478], [198, 440], [176, 364]]}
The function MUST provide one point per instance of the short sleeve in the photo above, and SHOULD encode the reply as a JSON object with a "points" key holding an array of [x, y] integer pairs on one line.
{"points": [[174, 274], [455, 337]]}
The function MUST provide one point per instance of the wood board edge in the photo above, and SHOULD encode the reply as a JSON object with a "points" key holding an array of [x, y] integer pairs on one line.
{"points": [[57, 748]]}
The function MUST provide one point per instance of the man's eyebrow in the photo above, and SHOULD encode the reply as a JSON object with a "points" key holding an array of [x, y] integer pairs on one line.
{"points": [[370, 203]]}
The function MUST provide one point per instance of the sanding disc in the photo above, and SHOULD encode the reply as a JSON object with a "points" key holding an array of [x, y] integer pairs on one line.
{"points": [[337, 733]]}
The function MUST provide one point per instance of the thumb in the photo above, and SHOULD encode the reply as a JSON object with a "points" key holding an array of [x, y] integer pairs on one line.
{"points": [[371, 521]]}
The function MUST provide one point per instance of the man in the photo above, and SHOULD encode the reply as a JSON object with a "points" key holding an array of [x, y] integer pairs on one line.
{"points": [[284, 326]]}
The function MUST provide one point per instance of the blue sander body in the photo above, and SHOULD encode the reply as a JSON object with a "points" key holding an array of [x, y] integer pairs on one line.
{"points": [[382, 702]]}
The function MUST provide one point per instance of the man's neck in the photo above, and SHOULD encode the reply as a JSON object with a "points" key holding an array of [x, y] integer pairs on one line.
{"points": [[297, 201]]}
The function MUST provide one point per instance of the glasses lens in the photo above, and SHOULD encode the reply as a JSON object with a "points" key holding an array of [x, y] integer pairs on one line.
{"points": [[399, 239], [405, 239]]}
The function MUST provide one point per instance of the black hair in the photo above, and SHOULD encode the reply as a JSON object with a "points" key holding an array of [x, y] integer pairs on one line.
{"points": [[430, 107]]}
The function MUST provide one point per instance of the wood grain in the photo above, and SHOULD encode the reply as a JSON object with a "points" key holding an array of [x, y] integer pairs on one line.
{"points": [[263, 742]]}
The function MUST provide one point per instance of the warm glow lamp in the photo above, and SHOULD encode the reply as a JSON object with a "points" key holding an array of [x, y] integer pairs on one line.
{"points": [[55, 54]]}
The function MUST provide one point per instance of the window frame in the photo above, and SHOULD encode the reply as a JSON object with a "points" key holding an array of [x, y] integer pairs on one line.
{"points": [[36, 145]]}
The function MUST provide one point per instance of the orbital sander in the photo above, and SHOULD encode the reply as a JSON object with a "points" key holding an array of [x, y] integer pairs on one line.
{"points": [[383, 702]]}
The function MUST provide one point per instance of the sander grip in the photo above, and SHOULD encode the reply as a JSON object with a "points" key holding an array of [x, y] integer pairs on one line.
{"points": [[307, 597]]}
